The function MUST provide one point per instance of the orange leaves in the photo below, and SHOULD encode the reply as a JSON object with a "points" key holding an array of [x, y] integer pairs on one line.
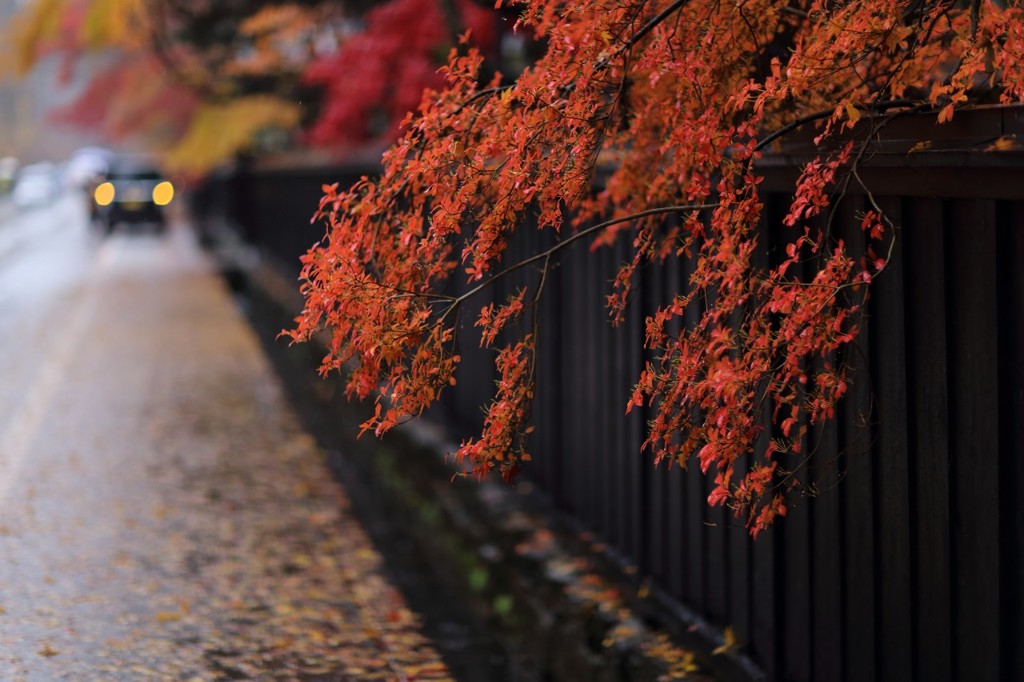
{"points": [[494, 320], [279, 38], [679, 101], [750, 348], [1004, 27], [501, 446], [817, 178]]}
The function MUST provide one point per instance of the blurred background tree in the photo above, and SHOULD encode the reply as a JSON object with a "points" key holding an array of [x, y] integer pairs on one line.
{"points": [[201, 81]]}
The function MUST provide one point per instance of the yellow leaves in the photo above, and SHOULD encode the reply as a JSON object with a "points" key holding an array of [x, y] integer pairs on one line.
{"points": [[48, 652], [138, 97], [680, 663], [506, 97], [219, 131], [95, 24], [114, 23], [38, 22], [621, 632], [852, 114], [1003, 144], [172, 616], [168, 616], [729, 642]]}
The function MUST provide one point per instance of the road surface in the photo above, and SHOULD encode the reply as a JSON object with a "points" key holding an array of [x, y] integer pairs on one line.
{"points": [[162, 514]]}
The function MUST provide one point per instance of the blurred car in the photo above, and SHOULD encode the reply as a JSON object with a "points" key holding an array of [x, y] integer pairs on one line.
{"points": [[35, 185], [133, 193], [8, 168], [87, 166]]}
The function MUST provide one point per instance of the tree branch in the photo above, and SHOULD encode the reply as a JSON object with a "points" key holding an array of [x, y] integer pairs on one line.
{"points": [[915, 105], [548, 253]]}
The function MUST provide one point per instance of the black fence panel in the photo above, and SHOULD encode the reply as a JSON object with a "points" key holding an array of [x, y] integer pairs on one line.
{"points": [[906, 564]]}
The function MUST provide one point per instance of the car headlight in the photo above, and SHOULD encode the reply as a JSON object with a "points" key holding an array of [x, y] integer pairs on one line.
{"points": [[104, 194], [163, 193]]}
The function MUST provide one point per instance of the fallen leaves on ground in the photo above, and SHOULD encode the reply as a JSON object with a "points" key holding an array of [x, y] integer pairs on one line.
{"points": [[229, 551]]}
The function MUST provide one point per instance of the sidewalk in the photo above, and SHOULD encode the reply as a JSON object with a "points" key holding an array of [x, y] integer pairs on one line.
{"points": [[166, 517], [559, 608]]}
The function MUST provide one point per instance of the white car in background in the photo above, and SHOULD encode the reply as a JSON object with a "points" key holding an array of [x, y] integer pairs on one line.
{"points": [[35, 185], [8, 168]]}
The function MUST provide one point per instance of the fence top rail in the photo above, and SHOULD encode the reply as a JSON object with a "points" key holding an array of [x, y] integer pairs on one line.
{"points": [[971, 156]]}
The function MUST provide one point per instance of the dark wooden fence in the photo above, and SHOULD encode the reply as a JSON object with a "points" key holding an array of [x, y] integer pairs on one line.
{"points": [[907, 564]]}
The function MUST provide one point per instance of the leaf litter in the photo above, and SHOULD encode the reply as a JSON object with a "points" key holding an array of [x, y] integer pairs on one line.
{"points": [[235, 555]]}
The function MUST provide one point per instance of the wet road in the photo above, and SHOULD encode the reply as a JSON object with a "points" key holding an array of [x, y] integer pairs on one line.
{"points": [[162, 514]]}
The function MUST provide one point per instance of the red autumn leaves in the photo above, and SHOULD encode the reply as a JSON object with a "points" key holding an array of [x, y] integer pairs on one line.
{"points": [[679, 101]]}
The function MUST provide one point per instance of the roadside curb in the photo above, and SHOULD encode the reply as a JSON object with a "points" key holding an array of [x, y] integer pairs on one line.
{"points": [[559, 601]]}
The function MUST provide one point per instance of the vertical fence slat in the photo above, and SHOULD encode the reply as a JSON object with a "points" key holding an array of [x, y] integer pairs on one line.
{"points": [[609, 510], [586, 380], [717, 560], [1011, 439], [795, 535], [633, 427], [765, 629], [827, 596], [924, 275], [572, 440], [622, 449], [974, 429], [554, 331], [826, 536], [764, 564], [665, 278], [575, 442], [689, 502], [895, 658], [656, 480], [858, 492], [796, 589], [739, 601]]}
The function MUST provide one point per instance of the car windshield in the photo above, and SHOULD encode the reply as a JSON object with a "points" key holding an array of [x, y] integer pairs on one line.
{"points": [[134, 175]]}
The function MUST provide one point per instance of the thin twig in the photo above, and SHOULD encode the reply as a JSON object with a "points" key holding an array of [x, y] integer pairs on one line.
{"points": [[547, 253]]}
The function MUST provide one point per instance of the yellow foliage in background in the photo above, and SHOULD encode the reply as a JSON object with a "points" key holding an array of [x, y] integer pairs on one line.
{"points": [[109, 23], [138, 97], [44, 23], [220, 130], [28, 31]]}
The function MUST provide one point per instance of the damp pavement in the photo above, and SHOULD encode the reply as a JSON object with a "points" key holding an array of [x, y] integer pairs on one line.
{"points": [[163, 514]]}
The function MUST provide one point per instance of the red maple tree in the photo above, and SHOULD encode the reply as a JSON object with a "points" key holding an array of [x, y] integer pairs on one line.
{"points": [[681, 98], [380, 72]]}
